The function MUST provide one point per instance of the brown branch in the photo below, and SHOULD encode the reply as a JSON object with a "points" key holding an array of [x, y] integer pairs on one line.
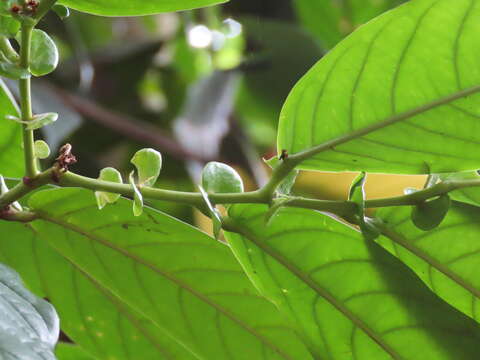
{"points": [[129, 127]]}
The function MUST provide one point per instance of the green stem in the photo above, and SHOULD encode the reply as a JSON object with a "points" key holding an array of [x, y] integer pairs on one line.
{"points": [[22, 188], [26, 102], [44, 8]]}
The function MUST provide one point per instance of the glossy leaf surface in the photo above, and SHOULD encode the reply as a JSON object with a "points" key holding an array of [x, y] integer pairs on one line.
{"points": [[188, 284], [370, 103], [148, 163], [221, 178], [445, 258], [44, 54], [104, 198], [11, 156], [350, 297], [28, 325], [135, 7]]}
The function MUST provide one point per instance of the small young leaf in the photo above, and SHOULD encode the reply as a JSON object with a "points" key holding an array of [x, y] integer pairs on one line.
{"points": [[285, 187], [9, 26], [62, 11], [148, 163], [41, 149], [4, 189], [44, 54], [357, 195], [104, 198], [12, 71], [137, 197], [221, 178], [429, 214], [214, 214], [41, 120]]}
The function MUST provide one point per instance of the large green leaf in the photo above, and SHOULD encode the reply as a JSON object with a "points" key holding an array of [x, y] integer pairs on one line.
{"points": [[28, 325], [445, 258], [188, 284], [90, 314], [135, 7], [330, 21], [351, 298], [11, 159], [399, 95]]}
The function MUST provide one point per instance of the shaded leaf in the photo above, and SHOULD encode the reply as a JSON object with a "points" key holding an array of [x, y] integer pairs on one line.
{"points": [[429, 214], [350, 298], [371, 102], [135, 7], [445, 258], [190, 286], [63, 12], [11, 154]]}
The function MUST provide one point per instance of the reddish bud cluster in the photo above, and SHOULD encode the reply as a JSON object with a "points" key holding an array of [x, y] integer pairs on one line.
{"points": [[29, 8]]}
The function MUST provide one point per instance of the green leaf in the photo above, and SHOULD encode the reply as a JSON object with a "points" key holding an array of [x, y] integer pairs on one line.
{"points": [[357, 195], [221, 178], [187, 284], [148, 163], [29, 326], [63, 12], [41, 149], [5, 6], [350, 298], [285, 187], [44, 57], [429, 214], [65, 351], [9, 26], [12, 71], [214, 214], [11, 154], [469, 195], [372, 102], [93, 317], [137, 197], [4, 189], [41, 120], [135, 7], [104, 198], [445, 258], [330, 21]]}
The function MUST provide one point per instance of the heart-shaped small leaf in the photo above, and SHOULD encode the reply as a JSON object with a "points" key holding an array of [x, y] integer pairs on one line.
{"points": [[221, 178], [148, 163], [62, 11], [41, 149], [429, 214], [44, 54], [104, 198]]}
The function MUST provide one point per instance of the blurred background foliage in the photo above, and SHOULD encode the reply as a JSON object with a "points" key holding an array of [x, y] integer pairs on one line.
{"points": [[201, 85]]}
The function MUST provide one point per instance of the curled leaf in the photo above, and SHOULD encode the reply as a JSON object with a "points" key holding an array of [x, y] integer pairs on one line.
{"points": [[137, 197], [4, 189], [104, 198], [429, 214], [221, 178], [41, 149], [41, 120], [148, 163], [62, 11], [357, 195], [214, 214]]}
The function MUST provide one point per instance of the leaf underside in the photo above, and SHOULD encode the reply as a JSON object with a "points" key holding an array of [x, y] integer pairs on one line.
{"points": [[400, 79]]}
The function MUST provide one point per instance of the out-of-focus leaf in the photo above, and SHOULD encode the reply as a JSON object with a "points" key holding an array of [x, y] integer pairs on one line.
{"points": [[63, 12], [41, 120], [65, 351], [349, 297], [187, 284], [29, 326], [41, 149], [135, 7], [9, 26], [330, 20], [11, 154]]}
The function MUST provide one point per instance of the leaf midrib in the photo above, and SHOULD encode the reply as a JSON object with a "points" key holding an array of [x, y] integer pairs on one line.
{"points": [[328, 145], [318, 289], [44, 216]]}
